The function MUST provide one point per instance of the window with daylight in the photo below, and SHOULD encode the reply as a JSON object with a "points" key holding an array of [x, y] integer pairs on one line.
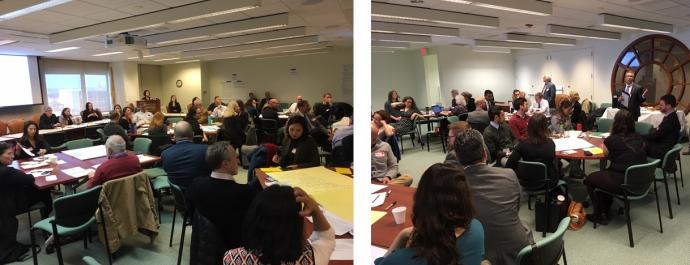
{"points": [[70, 84]]}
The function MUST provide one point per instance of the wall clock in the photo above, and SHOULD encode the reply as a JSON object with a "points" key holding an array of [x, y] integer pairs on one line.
{"points": [[178, 83]]}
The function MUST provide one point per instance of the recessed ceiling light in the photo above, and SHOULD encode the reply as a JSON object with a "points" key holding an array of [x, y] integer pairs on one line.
{"points": [[633, 23], [403, 12], [107, 53], [5, 42], [506, 44], [167, 59], [31, 9], [187, 61], [137, 57], [63, 49], [582, 32], [519, 37], [404, 28], [539, 8]]}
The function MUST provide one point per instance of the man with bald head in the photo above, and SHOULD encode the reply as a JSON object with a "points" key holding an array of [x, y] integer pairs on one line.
{"points": [[184, 161], [119, 164], [293, 108], [270, 111]]}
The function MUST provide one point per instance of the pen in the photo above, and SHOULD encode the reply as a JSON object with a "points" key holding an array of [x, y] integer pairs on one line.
{"points": [[377, 197], [391, 205]]}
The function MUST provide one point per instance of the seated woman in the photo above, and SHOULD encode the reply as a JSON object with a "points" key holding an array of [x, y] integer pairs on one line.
{"points": [[380, 120], [299, 149], [460, 106], [173, 105], [66, 117], [561, 120], [126, 119], [537, 147], [196, 101], [31, 141], [48, 120], [578, 116], [90, 114], [118, 109], [17, 192], [234, 124], [158, 126], [274, 230], [193, 119], [626, 148], [250, 106], [113, 128], [393, 105], [445, 230], [147, 95], [405, 122]]}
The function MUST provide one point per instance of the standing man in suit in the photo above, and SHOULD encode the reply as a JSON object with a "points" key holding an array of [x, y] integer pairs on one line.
{"points": [[631, 97], [549, 92], [664, 137]]}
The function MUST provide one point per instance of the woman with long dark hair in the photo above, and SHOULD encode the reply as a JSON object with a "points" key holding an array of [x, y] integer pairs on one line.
{"points": [[561, 120], [444, 229], [90, 114], [32, 141], [193, 119], [126, 119], [537, 147], [196, 102], [625, 149], [250, 106], [66, 117], [173, 105], [405, 122], [298, 149], [393, 104], [274, 230]]}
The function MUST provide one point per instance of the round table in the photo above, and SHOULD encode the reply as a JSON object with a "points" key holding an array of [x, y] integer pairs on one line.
{"points": [[580, 153]]}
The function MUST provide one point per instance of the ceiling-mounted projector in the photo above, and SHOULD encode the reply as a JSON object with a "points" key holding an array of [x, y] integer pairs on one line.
{"points": [[125, 41]]}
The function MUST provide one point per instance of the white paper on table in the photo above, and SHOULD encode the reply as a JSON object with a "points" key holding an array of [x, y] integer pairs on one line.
{"points": [[377, 252], [51, 178], [144, 159], [60, 162], [32, 164], [568, 152], [339, 225], [571, 144], [76, 172], [26, 150], [343, 249], [87, 153], [40, 172], [377, 199], [375, 187], [96, 166]]}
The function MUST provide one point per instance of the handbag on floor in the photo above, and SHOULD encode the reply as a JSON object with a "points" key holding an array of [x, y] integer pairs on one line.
{"points": [[558, 208], [578, 216]]}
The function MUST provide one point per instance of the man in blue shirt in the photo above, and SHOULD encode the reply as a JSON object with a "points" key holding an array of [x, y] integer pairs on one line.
{"points": [[185, 160]]}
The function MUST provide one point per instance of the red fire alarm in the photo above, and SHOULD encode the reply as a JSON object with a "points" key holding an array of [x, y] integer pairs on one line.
{"points": [[423, 51]]}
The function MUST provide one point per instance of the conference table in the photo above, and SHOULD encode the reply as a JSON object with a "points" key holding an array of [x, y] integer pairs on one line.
{"points": [[76, 131], [263, 178], [67, 169], [651, 116]]}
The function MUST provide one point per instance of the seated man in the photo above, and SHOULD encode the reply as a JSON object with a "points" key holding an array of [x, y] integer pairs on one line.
{"points": [[184, 161], [479, 115], [142, 117], [498, 137], [119, 163], [294, 106], [270, 111], [48, 120], [114, 128], [384, 165], [665, 136], [518, 122], [216, 108], [219, 197], [324, 109], [539, 105], [496, 198]]}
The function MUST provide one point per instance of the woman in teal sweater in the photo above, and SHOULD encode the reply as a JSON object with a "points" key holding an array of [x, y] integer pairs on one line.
{"points": [[444, 230]]}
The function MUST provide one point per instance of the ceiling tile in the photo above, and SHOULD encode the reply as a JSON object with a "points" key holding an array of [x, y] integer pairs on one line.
{"points": [[142, 7]]}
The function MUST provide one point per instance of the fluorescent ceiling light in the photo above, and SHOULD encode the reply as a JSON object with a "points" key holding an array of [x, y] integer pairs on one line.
{"points": [[63, 49], [255, 46], [137, 57], [236, 40], [167, 59], [538, 8], [107, 53], [491, 50], [5, 42], [402, 28], [633, 23], [194, 10], [290, 55], [238, 54], [394, 11], [506, 44], [30, 9], [221, 29], [187, 61], [390, 44], [519, 37], [582, 32], [400, 37]]}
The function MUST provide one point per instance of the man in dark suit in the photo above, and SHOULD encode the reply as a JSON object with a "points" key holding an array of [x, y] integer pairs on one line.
{"points": [[324, 110], [496, 198], [549, 91], [664, 137], [631, 97], [270, 111], [185, 160]]}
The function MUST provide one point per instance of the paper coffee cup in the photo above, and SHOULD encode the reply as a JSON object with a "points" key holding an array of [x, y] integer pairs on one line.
{"points": [[399, 214]]}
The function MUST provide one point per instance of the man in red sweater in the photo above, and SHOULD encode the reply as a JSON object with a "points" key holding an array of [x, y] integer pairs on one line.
{"points": [[518, 123], [119, 163]]}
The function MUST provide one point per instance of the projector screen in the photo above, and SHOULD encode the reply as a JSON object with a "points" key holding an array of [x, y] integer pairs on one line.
{"points": [[19, 81]]}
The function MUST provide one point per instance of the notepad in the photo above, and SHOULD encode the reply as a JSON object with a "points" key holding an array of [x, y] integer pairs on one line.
{"points": [[271, 169], [343, 170], [376, 215], [596, 150]]}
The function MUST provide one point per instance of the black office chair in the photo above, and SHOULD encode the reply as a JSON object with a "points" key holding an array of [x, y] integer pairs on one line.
{"points": [[181, 206], [534, 178], [268, 130], [478, 126]]}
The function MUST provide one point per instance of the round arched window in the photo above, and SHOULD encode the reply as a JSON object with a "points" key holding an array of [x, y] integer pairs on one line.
{"points": [[661, 64]]}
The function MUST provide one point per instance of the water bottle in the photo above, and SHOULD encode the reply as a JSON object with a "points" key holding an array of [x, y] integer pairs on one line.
{"points": [[210, 120]]}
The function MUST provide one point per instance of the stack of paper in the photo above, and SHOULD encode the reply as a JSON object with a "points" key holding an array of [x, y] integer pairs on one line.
{"points": [[76, 172], [87, 153], [570, 144]]}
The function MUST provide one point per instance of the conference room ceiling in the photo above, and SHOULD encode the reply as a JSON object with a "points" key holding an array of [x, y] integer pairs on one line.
{"points": [[85, 24], [574, 13]]}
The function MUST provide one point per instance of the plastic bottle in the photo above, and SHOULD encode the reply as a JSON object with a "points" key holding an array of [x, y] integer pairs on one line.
{"points": [[210, 120]]}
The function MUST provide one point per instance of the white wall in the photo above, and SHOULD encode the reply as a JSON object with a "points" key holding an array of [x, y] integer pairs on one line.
{"points": [[150, 79], [402, 71], [315, 74], [569, 70], [189, 74], [126, 81], [462, 69]]}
